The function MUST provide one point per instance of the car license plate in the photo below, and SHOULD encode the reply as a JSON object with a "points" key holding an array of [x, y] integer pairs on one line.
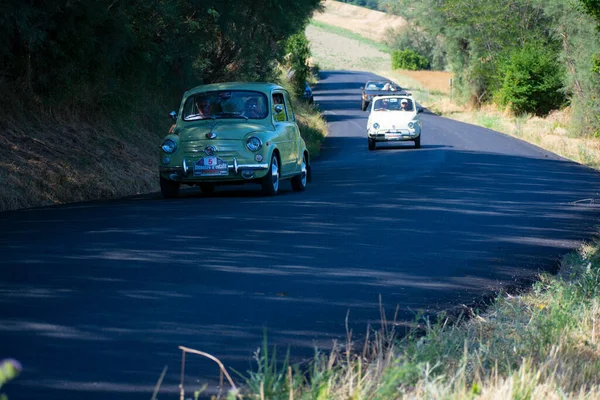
{"points": [[211, 166]]}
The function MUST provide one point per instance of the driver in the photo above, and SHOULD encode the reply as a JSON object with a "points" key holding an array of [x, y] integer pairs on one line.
{"points": [[253, 108]]}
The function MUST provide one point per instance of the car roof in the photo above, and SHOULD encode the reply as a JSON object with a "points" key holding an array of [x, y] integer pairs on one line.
{"points": [[265, 87]]}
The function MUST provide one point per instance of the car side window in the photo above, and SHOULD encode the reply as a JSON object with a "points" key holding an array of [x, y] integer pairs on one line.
{"points": [[290, 110], [278, 100]]}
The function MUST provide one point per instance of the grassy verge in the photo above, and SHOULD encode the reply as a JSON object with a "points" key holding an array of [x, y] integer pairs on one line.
{"points": [[551, 133], [540, 344]]}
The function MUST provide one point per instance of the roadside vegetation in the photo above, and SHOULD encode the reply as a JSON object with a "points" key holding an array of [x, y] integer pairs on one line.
{"points": [[543, 343], [86, 87]]}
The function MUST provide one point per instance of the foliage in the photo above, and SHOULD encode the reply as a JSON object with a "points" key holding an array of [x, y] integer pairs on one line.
{"points": [[115, 53], [530, 81], [9, 370], [579, 40], [426, 45], [409, 59], [297, 48]]}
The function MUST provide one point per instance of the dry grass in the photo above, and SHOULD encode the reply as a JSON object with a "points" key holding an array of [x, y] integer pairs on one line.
{"points": [[544, 344], [335, 52], [55, 158], [368, 23], [550, 133]]}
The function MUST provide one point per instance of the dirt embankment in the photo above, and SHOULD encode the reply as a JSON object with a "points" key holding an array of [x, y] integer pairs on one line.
{"points": [[53, 159]]}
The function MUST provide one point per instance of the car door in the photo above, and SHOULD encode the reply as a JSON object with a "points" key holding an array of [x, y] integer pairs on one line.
{"points": [[294, 134], [286, 126]]}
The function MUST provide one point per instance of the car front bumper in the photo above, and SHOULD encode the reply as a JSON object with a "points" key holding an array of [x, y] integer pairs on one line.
{"points": [[185, 173], [392, 136]]}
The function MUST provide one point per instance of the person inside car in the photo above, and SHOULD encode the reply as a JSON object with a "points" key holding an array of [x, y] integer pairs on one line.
{"points": [[253, 109], [278, 100], [404, 105], [203, 107]]}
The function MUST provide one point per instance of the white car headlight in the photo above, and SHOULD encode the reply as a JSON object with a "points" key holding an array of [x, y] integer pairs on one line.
{"points": [[253, 143], [411, 125], [168, 146], [375, 125]]}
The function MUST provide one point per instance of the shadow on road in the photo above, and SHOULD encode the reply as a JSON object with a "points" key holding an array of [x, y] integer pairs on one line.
{"points": [[115, 287]]}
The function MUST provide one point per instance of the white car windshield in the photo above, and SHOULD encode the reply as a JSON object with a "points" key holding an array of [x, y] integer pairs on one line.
{"points": [[393, 104], [226, 104], [382, 85]]}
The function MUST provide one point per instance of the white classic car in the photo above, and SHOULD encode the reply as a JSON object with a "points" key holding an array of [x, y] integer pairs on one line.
{"points": [[392, 119]]}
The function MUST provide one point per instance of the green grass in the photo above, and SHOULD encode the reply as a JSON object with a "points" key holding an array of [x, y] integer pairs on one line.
{"points": [[541, 344], [489, 121], [351, 35]]}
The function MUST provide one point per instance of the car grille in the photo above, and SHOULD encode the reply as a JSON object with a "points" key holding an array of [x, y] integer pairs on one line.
{"points": [[226, 150]]}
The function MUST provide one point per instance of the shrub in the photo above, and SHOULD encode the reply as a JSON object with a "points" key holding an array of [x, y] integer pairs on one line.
{"points": [[530, 81], [409, 59]]}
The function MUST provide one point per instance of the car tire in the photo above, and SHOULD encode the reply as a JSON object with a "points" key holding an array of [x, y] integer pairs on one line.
{"points": [[168, 188], [299, 182], [418, 142], [270, 182], [372, 144], [207, 188], [363, 105]]}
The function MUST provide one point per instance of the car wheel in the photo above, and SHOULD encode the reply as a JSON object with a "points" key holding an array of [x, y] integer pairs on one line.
{"points": [[168, 188], [270, 183], [299, 181], [372, 144], [418, 142], [207, 188]]}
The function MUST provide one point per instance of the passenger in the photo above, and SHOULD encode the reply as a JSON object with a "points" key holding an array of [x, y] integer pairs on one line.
{"points": [[278, 100], [387, 87]]}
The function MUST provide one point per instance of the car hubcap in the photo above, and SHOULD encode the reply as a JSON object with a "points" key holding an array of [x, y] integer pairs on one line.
{"points": [[304, 174], [275, 173]]}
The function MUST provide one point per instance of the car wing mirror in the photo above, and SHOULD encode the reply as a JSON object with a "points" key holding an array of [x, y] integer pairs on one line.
{"points": [[278, 108], [173, 115], [419, 110]]}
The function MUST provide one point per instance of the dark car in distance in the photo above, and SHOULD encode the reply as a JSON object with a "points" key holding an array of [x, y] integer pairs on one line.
{"points": [[379, 88], [308, 94]]}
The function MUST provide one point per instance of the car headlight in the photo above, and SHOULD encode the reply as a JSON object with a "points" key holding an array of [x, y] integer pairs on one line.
{"points": [[253, 143], [411, 125], [168, 146], [375, 125]]}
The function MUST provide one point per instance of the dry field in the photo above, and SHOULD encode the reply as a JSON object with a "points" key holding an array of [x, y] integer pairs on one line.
{"points": [[332, 51], [368, 23]]}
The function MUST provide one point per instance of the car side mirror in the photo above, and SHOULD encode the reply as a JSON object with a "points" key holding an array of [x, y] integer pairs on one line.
{"points": [[173, 115], [419, 110], [278, 108]]}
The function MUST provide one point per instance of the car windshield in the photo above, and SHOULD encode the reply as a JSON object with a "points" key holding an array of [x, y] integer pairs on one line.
{"points": [[225, 104], [382, 85], [393, 104]]}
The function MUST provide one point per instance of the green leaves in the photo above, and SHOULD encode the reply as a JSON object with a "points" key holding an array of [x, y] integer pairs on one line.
{"points": [[531, 80], [409, 59]]}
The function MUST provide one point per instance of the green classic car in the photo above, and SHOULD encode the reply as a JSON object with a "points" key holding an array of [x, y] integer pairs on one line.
{"points": [[230, 133]]}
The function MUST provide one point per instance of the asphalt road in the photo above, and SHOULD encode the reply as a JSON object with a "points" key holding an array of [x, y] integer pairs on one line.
{"points": [[96, 297]]}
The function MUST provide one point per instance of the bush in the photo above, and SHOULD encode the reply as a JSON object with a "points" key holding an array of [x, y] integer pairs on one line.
{"points": [[409, 59], [530, 81]]}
